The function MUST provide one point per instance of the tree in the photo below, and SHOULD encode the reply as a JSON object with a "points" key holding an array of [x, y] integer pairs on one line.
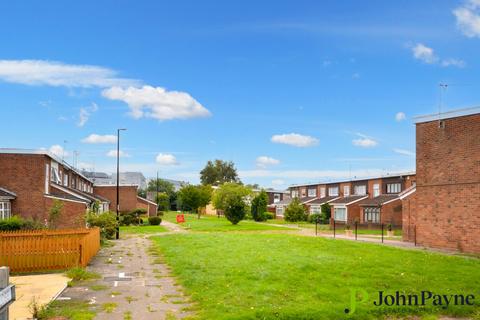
{"points": [[235, 208], [259, 206], [191, 197], [54, 213], [326, 212], [295, 211], [218, 172], [163, 186], [227, 190], [163, 201]]}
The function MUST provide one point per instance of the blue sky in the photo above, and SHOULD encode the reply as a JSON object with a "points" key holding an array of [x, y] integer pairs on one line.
{"points": [[291, 91]]}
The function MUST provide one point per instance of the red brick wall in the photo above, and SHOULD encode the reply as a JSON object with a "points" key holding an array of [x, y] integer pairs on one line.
{"points": [[353, 213], [409, 217], [127, 194], [151, 208], [447, 211], [392, 213], [71, 216], [24, 174]]}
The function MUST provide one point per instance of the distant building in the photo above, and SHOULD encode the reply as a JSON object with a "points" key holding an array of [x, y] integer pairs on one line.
{"points": [[126, 178]]}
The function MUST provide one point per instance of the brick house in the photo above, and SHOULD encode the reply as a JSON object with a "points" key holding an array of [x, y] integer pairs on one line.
{"points": [[32, 180], [369, 201], [444, 212], [129, 200]]}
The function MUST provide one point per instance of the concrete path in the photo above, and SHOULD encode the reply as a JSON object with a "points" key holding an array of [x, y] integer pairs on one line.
{"points": [[42, 287], [134, 284]]}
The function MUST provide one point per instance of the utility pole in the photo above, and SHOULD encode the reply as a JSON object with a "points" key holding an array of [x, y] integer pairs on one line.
{"points": [[156, 196], [117, 235]]}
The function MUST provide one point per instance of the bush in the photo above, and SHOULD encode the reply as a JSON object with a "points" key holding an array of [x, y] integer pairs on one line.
{"points": [[235, 208], [259, 206], [106, 221], [132, 217], [315, 218], [11, 224], [269, 215], [326, 213], [295, 212], [154, 221]]}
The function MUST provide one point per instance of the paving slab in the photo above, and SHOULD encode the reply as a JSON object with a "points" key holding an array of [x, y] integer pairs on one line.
{"points": [[42, 287]]}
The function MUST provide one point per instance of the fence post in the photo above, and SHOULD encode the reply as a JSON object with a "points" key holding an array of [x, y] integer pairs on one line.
{"points": [[415, 235], [382, 232], [7, 293], [316, 226], [334, 228], [356, 229]]}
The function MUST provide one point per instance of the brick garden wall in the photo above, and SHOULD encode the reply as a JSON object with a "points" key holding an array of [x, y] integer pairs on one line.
{"points": [[127, 194]]}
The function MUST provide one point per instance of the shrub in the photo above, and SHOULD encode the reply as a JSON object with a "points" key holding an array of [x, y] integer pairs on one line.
{"points": [[132, 217], [295, 212], [326, 213], [11, 224], [315, 218], [79, 274], [269, 215], [235, 209], [106, 221], [259, 206], [155, 220]]}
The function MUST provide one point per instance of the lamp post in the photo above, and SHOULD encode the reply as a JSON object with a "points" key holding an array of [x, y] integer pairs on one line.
{"points": [[117, 235]]}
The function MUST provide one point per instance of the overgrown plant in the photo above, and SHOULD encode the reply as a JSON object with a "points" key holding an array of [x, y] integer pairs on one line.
{"points": [[295, 211], [235, 209], [106, 221], [54, 213], [259, 206]]}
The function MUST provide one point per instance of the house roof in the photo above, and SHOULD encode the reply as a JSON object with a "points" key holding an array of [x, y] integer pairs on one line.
{"points": [[447, 115], [146, 200], [323, 200], [305, 200], [78, 193], [68, 197], [282, 202], [4, 193], [348, 200], [407, 192], [379, 201]]}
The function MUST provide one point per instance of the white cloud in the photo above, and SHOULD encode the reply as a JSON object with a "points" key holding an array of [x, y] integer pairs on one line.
{"points": [[468, 18], [264, 161], [85, 113], [295, 139], [58, 150], [364, 141], [53, 73], [424, 53], [427, 55], [278, 182], [400, 116], [96, 138], [113, 153], [157, 103], [166, 159], [404, 152]]}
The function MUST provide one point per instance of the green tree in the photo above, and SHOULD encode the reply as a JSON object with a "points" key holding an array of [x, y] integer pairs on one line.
{"points": [[54, 213], [163, 186], [235, 208], [326, 212], [218, 172], [191, 197], [227, 190], [259, 206], [295, 211], [163, 201]]}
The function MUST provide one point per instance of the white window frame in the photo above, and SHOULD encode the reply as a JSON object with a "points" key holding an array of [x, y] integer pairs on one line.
{"points": [[346, 191], [280, 210], [394, 187], [376, 189], [322, 192], [371, 215], [315, 208], [295, 193], [345, 213], [312, 192], [277, 197], [333, 191], [5, 209], [360, 190]]}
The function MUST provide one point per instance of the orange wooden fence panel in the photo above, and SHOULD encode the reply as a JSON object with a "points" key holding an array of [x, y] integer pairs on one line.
{"points": [[37, 250]]}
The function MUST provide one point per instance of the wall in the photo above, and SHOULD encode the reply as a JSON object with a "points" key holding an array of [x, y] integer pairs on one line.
{"points": [[72, 214], [392, 213], [127, 194], [447, 211], [143, 204]]}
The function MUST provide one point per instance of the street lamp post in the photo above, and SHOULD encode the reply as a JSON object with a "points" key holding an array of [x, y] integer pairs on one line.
{"points": [[117, 235]]}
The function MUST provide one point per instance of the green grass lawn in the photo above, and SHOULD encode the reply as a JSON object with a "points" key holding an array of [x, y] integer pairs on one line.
{"points": [[284, 276], [213, 223], [145, 229]]}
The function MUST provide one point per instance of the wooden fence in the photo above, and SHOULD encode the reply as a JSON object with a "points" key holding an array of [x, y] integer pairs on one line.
{"points": [[37, 250]]}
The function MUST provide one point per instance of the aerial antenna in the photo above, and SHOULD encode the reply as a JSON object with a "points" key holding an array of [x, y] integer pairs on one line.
{"points": [[443, 88], [63, 150]]}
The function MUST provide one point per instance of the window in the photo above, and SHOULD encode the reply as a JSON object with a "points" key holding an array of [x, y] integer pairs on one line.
{"points": [[54, 174], [303, 192], [65, 180], [5, 212], [371, 215], [394, 187], [376, 190], [47, 172], [360, 190], [346, 191], [322, 192], [312, 192], [315, 208], [333, 191], [276, 197], [294, 193], [279, 211], [340, 214]]}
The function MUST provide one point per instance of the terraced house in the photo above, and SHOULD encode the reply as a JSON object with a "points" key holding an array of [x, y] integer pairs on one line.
{"points": [[370, 201], [32, 180]]}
